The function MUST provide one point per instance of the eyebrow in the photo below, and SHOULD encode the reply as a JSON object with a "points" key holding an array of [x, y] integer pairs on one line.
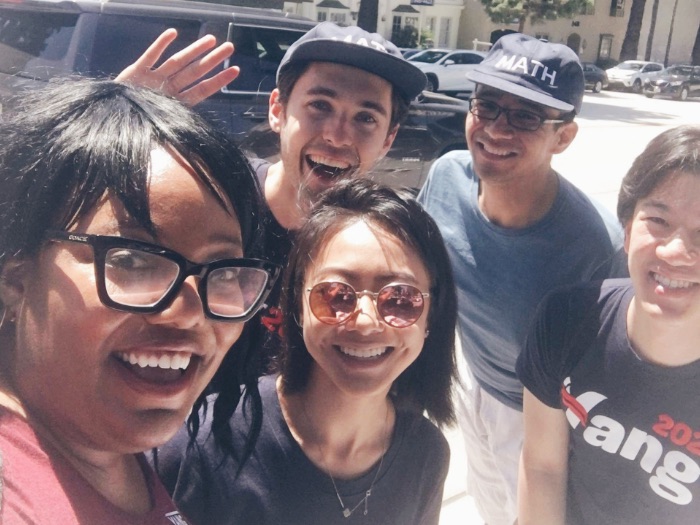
{"points": [[653, 203], [367, 104]]}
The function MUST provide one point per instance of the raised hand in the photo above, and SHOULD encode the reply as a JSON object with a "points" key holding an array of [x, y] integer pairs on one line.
{"points": [[181, 75]]}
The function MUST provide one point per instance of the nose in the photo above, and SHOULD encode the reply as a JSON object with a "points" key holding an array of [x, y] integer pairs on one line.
{"points": [[677, 250], [336, 131], [366, 319], [186, 311], [500, 127]]}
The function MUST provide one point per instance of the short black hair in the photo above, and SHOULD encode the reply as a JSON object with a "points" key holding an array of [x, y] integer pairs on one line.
{"points": [[677, 149], [426, 384]]}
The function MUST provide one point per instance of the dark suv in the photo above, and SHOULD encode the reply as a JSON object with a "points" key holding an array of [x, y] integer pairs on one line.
{"points": [[680, 82], [41, 39]]}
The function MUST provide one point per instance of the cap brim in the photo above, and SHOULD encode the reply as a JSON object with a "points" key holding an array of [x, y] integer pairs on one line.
{"points": [[404, 76], [519, 91]]}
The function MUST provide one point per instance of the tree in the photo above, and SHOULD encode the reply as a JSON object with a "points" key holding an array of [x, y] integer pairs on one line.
{"points": [[670, 33], [696, 49], [368, 14], [509, 11], [652, 29], [634, 26]]}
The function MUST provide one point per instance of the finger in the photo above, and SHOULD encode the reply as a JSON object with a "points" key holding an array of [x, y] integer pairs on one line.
{"points": [[180, 60], [208, 87], [156, 49], [198, 69]]}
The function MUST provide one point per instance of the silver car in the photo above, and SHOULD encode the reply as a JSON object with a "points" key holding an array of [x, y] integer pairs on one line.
{"points": [[447, 69]]}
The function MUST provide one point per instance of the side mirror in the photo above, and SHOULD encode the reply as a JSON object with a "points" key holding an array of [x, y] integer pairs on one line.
{"points": [[448, 62]]}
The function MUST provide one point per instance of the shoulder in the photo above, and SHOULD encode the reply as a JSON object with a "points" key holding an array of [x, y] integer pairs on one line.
{"points": [[420, 435], [260, 167], [449, 179]]}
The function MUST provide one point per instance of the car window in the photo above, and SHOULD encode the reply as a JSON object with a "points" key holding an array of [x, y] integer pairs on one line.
{"points": [[655, 67], [629, 66], [34, 44], [119, 40], [259, 52], [428, 56]]}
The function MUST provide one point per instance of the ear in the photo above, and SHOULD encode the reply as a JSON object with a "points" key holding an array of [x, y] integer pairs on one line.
{"points": [[13, 279], [389, 140], [565, 136], [275, 115]]}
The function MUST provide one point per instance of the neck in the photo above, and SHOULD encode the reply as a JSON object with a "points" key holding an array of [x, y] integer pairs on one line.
{"points": [[518, 204], [660, 341], [341, 435], [282, 198]]}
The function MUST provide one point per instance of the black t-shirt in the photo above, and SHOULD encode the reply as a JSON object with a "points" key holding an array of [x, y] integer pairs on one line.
{"points": [[634, 436], [279, 485]]}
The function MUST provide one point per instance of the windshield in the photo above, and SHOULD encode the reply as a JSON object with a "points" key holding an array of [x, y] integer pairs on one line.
{"points": [[428, 56], [631, 66], [678, 71]]}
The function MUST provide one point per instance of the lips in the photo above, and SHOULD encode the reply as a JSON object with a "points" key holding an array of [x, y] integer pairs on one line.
{"points": [[495, 151]]}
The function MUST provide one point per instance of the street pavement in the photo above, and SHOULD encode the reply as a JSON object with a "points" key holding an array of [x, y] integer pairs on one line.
{"points": [[614, 128]]}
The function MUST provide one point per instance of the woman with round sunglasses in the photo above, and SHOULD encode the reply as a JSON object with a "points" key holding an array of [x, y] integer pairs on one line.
{"points": [[126, 234], [369, 315]]}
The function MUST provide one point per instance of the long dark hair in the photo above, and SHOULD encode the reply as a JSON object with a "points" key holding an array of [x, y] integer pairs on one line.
{"points": [[425, 385]]}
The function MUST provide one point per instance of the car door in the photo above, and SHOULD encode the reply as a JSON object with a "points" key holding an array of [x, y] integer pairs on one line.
{"points": [[695, 82], [455, 75]]}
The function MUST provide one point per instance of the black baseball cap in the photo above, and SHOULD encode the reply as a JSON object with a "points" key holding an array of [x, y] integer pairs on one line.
{"points": [[353, 46], [545, 73]]}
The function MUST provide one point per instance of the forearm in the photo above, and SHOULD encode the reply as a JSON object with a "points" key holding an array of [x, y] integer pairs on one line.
{"points": [[541, 497]]}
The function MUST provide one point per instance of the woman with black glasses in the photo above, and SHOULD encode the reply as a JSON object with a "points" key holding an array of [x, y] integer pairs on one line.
{"points": [[126, 234], [369, 317]]}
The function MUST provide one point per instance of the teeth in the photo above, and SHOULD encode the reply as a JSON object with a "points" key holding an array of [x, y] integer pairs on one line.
{"points": [[165, 361], [365, 352], [332, 163], [496, 151], [672, 283]]}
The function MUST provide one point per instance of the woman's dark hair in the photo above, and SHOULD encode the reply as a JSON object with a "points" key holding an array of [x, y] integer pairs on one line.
{"points": [[66, 146], [292, 72], [677, 149], [425, 385]]}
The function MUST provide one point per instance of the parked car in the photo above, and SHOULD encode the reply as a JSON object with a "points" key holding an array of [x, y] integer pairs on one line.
{"points": [[42, 39], [679, 81], [631, 74], [409, 52], [447, 69], [595, 78]]}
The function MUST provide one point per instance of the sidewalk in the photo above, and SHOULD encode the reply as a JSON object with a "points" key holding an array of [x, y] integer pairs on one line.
{"points": [[457, 507]]}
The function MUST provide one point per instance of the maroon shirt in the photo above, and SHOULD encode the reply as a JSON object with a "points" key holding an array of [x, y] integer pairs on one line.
{"points": [[39, 487]]}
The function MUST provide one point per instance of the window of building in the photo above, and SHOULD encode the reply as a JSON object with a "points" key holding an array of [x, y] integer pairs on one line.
{"points": [[605, 46], [395, 27], [322, 16], [542, 36], [339, 18], [617, 8]]}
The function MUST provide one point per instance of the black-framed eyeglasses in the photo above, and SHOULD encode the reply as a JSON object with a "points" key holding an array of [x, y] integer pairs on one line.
{"points": [[522, 119], [139, 277], [335, 302]]}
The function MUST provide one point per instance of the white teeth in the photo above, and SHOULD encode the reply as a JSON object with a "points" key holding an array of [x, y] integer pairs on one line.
{"points": [[496, 151], [672, 283], [333, 163], [165, 361], [365, 352]]}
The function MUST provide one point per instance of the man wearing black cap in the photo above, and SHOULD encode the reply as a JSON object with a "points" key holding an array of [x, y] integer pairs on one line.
{"points": [[515, 229]]}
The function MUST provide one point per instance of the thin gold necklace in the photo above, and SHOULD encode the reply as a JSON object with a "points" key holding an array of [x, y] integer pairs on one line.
{"points": [[347, 511]]}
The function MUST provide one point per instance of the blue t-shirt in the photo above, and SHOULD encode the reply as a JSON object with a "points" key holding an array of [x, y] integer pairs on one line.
{"points": [[502, 274]]}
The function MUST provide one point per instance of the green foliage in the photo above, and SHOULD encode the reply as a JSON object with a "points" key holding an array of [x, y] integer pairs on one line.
{"points": [[406, 37], [513, 11]]}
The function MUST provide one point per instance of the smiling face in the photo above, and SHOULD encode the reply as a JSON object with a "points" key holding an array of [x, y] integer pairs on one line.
{"points": [[71, 366], [363, 356], [336, 124], [663, 244], [502, 153]]}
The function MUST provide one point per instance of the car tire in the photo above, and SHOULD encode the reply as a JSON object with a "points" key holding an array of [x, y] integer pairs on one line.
{"points": [[432, 84], [637, 86], [597, 87], [683, 93], [649, 95]]}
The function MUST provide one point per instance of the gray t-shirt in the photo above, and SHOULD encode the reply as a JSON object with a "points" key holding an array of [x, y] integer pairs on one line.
{"points": [[502, 274]]}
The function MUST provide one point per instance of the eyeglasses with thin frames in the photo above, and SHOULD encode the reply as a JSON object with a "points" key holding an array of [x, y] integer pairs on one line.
{"points": [[521, 119], [140, 277], [335, 302]]}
